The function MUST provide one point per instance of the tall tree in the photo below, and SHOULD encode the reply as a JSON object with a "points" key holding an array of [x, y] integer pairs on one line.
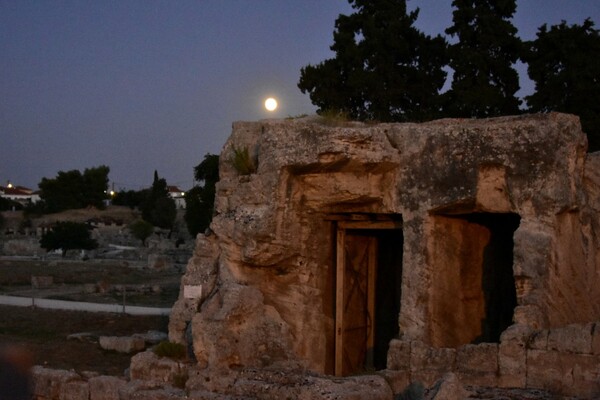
{"points": [[63, 192], [129, 198], [67, 236], [199, 201], [384, 68], [141, 230], [485, 81], [72, 189], [157, 207], [95, 185], [564, 63]]}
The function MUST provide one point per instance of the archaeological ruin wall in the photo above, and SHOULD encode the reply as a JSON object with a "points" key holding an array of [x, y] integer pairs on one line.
{"points": [[356, 247]]}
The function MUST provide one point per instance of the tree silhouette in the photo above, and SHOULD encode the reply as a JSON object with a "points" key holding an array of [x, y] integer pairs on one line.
{"points": [[564, 63], [141, 230], [484, 81], [68, 236], [199, 201], [72, 189], [157, 207], [384, 68]]}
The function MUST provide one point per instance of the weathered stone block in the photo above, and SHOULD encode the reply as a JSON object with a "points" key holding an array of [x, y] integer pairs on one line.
{"points": [[478, 364], [75, 390], [152, 337], [423, 357], [572, 339], [428, 364], [546, 371], [148, 366], [448, 388], [398, 357], [105, 387], [398, 380], [538, 340], [512, 356], [477, 357], [158, 394], [122, 344], [586, 376], [565, 373], [48, 383], [149, 390]]}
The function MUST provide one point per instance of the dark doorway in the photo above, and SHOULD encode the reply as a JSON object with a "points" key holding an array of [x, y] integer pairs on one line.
{"points": [[497, 280], [369, 273], [473, 295], [388, 293]]}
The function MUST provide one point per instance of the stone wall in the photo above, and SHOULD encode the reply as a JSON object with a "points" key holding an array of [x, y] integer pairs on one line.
{"points": [[465, 193], [563, 360], [509, 203]]}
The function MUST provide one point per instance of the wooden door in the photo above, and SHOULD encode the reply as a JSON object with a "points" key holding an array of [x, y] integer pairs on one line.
{"points": [[355, 301]]}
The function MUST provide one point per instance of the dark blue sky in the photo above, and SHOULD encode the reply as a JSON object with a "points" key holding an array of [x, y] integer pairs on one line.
{"points": [[145, 85]]}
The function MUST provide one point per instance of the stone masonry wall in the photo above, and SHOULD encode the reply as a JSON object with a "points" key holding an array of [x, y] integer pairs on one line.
{"points": [[258, 301], [264, 278], [563, 360]]}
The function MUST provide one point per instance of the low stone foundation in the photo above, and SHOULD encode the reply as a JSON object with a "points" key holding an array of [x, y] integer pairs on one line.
{"points": [[564, 360]]}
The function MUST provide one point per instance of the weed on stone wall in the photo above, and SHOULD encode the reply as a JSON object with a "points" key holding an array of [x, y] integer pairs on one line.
{"points": [[243, 163]]}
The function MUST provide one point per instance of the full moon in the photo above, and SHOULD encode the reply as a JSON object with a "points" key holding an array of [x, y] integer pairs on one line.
{"points": [[271, 104]]}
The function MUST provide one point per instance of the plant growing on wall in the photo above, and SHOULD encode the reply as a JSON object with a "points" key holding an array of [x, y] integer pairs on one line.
{"points": [[243, 163]]}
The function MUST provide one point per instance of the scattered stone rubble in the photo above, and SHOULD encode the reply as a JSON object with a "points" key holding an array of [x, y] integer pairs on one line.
{"points": [[122, 344], [261, 298]]}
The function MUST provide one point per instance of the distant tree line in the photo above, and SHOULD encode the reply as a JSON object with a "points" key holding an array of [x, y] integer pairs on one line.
{"points": [[158, 209], [385, 69], [154, 202], [72, 190]]}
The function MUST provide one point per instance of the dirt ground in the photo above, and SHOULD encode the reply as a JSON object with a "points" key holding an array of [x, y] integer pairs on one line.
{"points": [[43, 334]]}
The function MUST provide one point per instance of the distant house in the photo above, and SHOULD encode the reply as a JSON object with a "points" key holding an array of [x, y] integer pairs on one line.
{"points": [[178, 195], [19, 194]]}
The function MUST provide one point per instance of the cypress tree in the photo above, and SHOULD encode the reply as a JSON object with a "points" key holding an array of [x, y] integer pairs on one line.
{"points": [[384, 68], [484, 82], [564, 63]]}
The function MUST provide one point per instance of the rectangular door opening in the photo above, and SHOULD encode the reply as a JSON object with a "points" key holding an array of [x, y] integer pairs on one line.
{"points": [[473, 296], [368, 289]]}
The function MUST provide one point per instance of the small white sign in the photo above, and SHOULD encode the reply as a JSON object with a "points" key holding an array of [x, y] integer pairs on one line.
{"points": [[192, 291]]}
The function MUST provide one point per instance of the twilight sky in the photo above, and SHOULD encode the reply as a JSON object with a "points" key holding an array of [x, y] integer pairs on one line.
{"points": [[144, 85]]}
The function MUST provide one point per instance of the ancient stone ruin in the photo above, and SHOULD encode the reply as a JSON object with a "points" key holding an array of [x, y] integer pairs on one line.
{"points": [[464, 246], [354, 261]]}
